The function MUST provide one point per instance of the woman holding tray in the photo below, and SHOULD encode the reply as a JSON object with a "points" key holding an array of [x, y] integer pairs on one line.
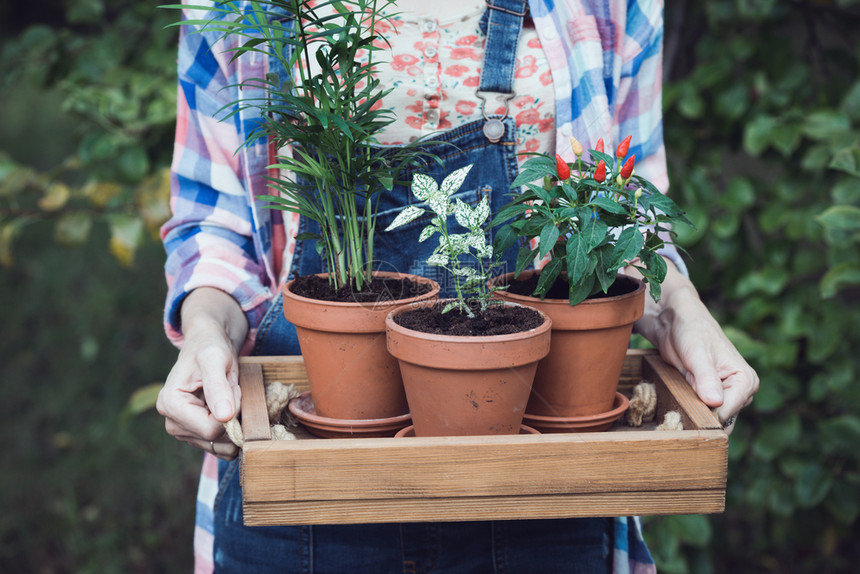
{"points": [[588, 69]]}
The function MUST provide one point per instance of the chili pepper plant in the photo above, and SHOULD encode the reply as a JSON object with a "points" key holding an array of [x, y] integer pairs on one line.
{"points": [[592, 217]]}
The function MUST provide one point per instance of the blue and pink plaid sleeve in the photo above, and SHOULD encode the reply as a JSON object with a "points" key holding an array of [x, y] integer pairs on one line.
{"points": [[212, 238]]}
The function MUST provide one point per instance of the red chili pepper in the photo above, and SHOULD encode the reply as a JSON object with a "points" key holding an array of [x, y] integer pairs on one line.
{"points": [[623, 147], [562, 168], [627, 168], [599, 146], [600, 172]]}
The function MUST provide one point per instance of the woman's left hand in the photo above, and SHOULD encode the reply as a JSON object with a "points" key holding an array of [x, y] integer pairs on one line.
{"points": [[691, 340]]}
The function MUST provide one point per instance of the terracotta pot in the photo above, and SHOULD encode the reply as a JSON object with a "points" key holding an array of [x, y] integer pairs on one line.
{"points": [[466, 385], [350, 372], [580, 375]]}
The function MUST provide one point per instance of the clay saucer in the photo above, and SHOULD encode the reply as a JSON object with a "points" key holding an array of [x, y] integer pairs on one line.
{"points": [[591, 423], [302, 408], [410, 431]]}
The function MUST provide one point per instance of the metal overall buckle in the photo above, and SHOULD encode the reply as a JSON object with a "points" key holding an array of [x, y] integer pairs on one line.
{"points": [[506, 11], [494, 129]]}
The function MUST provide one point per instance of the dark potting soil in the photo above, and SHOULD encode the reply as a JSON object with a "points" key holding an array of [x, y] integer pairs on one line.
{"points": [[495, 320], [379, 289], [561, 289]]}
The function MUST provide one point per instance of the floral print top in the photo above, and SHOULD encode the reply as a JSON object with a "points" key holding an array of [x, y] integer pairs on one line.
{"points": [[435, 68]]}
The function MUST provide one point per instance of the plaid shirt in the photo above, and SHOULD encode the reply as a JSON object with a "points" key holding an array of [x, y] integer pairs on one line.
{"points": [[606, 63]]}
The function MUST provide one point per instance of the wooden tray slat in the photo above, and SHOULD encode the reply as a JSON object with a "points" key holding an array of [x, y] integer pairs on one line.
{"points": [[487, 508], [615, 473], [680, 396], [255, 415], [488, 466]]}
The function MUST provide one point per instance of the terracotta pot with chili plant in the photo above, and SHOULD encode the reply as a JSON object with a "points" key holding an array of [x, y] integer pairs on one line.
{"points": [[590, 219]]}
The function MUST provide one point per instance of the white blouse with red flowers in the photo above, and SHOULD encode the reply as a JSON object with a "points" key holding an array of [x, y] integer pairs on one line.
{"points": [[434, 68]]}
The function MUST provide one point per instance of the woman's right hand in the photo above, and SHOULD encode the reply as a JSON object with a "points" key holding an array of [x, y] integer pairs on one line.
{"points": [[202, 390]]}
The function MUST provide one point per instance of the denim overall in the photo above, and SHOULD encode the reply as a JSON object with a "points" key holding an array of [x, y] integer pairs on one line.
{"points": [[516, 547]]}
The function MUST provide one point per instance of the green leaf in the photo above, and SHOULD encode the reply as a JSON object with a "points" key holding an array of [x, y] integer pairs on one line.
{"points": [[847, 160], [423, 186], [812, 485], [548, 275], [133, 163], [84, 11], [825, 125], [733, 101], [524, 258], [657, 266], [786, 138], [596, 156], [504, 239], [665, 204], [838, 277], [508, 211], [593, 232], [691, 105], [577, 258], [548, 237], [604, 270], [455, 180], [839, 435], [463, 213], [851, 102], [628, 245], [770, 281], [846, 217], [607, 204], [580, 291], [781, 499], [8, 231], [740, 194], [126, 236], [427, 233], [777, 436], [693, 529], [758, 134], [143, 399], [843, 501], [73, 228]]}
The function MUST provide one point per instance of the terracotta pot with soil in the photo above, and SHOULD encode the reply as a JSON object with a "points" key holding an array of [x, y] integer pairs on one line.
{"points": [[467, 383], [350, 372], [579, 376]]}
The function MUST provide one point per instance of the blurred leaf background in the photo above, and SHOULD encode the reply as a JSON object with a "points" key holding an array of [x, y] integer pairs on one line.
{"points": [[762, 110]]}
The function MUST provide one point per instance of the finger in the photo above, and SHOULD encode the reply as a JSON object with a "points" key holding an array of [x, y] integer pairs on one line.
{"points": [[223, 449], [197, 426], [215, 367], [703, 377], [739, 388]]}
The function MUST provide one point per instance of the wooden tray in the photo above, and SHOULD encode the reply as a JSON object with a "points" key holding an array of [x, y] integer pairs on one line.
{"points": [[621, 472]]}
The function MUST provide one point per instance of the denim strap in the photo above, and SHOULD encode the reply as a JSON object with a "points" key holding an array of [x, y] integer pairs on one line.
{"points": [[502, 23]]}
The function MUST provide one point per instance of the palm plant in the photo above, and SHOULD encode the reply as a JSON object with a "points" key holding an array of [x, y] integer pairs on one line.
{"points": [[326, 113]]}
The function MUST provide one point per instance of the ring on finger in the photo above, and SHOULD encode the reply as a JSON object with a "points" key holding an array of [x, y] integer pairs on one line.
{"points": [[729, 422], [212, 446]]}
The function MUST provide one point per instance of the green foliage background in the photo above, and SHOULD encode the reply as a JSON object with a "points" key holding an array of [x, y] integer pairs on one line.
{"points": [[762, 109]]}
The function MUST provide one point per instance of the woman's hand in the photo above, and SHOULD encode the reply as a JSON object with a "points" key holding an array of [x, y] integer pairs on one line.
{"points": [[691, 340], [202, 390]]}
